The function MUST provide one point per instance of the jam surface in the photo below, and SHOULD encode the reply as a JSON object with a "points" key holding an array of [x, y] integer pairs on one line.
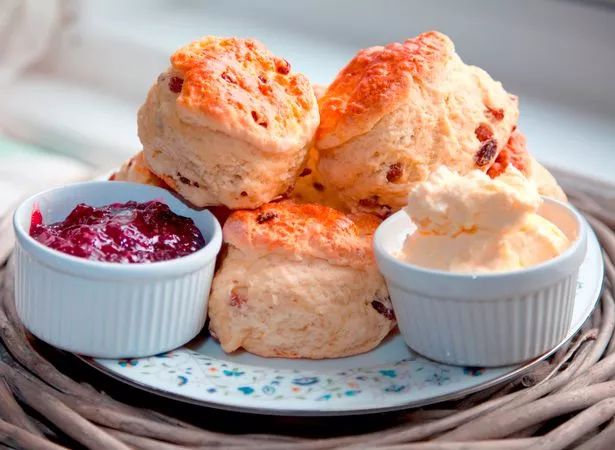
{"points": [[121, 233]]}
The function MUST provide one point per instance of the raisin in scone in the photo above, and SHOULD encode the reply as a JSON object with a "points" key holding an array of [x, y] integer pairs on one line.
{"points": [[228, 123], [311, 188], [299, 281], [395, 113]]}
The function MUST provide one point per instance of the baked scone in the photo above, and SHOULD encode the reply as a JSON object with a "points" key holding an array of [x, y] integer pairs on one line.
{"points": [[395, 113], [228, 123], [299, 281], [515, 153], [137, 171], [311, 188]]}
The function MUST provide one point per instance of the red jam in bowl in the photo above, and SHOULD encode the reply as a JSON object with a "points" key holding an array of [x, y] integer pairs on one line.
{"points": [[121, 233]]}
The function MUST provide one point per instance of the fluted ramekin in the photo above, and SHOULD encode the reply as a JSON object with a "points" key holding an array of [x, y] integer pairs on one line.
{"points": [[111, 310], [491, 319]]}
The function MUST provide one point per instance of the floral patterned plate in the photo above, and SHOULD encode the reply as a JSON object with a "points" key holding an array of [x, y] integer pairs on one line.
{"points": [[387, 378]]}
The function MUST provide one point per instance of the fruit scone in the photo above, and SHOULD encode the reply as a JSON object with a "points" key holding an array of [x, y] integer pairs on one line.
{"points": [[136, 170], [299, 281], [394, 113], [311, 188], [228, 123]]}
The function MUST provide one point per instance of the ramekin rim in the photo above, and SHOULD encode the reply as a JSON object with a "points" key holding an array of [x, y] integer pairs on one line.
{"points": [[55, 257], [569, 253]]}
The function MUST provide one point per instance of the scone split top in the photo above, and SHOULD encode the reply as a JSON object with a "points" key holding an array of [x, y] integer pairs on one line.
{"points": [[299, 281], [228, 123]]}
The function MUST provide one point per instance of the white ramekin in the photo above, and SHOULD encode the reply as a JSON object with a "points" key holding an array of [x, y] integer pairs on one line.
{"points": [[490, 319], [111, 310]]}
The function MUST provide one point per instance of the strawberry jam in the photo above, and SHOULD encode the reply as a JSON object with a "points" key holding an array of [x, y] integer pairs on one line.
{"points": [[121, 233]]}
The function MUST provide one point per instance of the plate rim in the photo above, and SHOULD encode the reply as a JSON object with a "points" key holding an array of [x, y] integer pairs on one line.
{"points": [[298, 412]]}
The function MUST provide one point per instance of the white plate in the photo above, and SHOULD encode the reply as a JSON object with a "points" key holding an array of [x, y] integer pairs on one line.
{"points": [[388, 378]]}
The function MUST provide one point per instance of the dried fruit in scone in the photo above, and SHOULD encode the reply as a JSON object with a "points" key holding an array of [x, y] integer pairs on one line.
{"points": [[299, 281], [395, 113], [311, 188], [516, 153], [136, 170], [228, 123]]}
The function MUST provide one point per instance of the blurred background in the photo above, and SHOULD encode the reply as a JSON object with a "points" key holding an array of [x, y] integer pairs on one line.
{"points": [[74, 72]]}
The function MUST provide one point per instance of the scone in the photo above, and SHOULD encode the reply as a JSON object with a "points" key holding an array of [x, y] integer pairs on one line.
{"points": [[299, 281], [136, 170], [311, 188], [228, 123], [516, 154], [395, 113]]}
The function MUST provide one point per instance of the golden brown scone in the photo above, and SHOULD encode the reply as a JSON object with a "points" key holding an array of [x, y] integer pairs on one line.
{"points": [[136, 170], [228, 123], [516, 153], [395, 113], [299, 281]]}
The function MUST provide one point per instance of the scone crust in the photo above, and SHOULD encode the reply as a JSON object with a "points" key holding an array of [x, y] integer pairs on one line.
{"points": [[304, 229], [299, 281], [274, 305], [375, 82], [136, 170], [515, 153], [239, 87]]}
